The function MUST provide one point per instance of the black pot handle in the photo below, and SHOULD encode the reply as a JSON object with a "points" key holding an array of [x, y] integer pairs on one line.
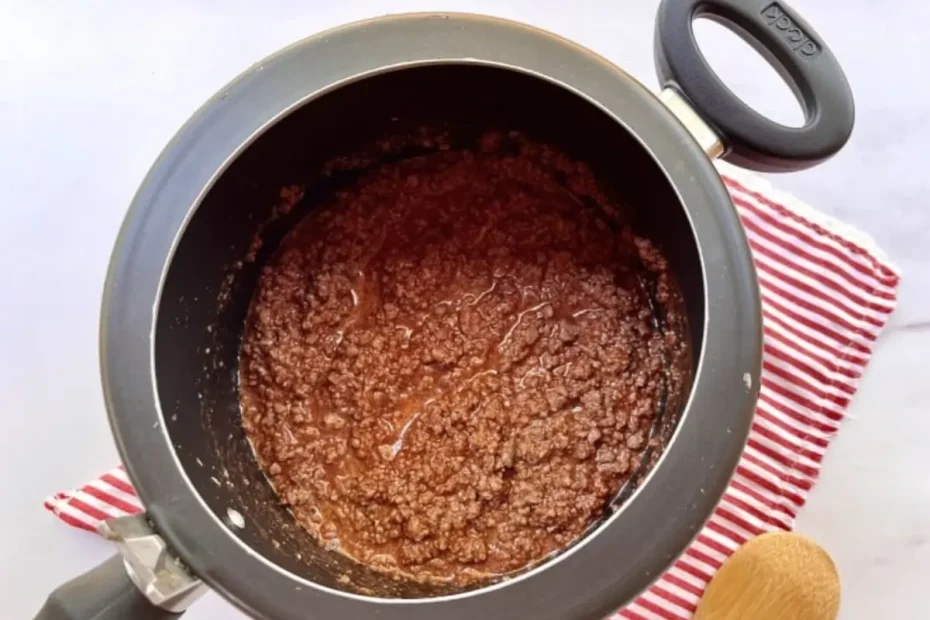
{"points": [[790, 45], [103, 593]]}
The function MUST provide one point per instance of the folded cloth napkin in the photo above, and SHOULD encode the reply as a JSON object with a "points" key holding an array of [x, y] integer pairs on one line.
{"points": [[827, 292]]}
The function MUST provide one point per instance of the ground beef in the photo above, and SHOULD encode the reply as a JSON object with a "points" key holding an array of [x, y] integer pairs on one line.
{"points": [[450, 368]]}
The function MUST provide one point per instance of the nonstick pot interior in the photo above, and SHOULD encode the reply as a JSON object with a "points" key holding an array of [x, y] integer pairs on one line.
{"points": [[208, 286]]}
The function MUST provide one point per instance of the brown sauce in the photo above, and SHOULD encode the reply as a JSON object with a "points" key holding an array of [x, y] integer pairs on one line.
{"points": [[452, 367]]}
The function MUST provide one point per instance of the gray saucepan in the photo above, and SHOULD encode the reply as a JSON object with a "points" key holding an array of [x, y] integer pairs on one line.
{"points": [[178, 289]]}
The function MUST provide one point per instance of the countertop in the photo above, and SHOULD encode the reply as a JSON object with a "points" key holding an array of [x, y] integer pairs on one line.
{"points": [[90, 92]]}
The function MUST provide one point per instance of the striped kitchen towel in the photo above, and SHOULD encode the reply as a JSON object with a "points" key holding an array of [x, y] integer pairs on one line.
{"points": [[827, 292]]}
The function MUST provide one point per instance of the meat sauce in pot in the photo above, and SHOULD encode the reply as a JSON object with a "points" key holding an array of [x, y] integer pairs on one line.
{"points": [[451, 368]]}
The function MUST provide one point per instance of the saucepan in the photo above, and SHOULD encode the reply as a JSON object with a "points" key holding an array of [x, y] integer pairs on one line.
{"points": [[179, 285]]}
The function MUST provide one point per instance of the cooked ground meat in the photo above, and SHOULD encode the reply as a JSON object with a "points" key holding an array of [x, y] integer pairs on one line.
{"points": [[451, 368]]}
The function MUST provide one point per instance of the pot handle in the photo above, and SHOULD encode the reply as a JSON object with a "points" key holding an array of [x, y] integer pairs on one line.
{"points": [[103, 593], [793, 48]]}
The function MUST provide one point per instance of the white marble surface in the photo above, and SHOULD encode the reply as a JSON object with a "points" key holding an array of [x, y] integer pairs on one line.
{"points": [[91, 91]]}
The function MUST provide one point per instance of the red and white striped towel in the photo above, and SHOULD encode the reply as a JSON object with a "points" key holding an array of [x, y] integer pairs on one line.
{"points": [[827, 292]]}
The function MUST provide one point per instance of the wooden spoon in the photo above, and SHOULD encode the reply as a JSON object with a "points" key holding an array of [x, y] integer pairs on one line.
{"points": [[780, 576]]}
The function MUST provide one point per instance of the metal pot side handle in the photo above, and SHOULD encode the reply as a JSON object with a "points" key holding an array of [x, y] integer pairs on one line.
{"points": [[144, 581], [792, 47], [103, 593]]}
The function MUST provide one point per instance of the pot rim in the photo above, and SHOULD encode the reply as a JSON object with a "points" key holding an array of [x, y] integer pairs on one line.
{"points": [[649, 531]]}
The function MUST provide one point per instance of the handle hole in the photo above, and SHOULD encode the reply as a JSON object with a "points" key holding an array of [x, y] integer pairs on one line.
{"points": [[747, 73]]}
